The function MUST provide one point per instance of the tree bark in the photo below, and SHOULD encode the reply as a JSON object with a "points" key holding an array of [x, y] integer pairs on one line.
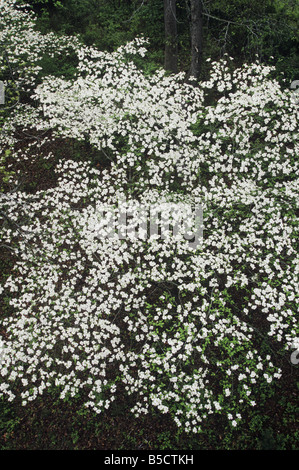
{"points": [[196, 38], [171, 42]]}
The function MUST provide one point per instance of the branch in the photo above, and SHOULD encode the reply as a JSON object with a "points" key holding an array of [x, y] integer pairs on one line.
{"points": [[135, 12], [230, 22]]}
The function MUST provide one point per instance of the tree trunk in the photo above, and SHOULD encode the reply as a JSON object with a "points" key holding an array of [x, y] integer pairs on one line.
{"points": [[171, 43], [196, 38]]}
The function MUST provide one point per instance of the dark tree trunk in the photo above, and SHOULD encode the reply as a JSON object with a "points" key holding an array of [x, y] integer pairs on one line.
{"points": [[171, 42], [196, 38]]}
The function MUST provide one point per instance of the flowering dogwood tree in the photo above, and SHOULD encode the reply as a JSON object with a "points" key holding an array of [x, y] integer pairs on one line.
{"points": [[188, 332]]}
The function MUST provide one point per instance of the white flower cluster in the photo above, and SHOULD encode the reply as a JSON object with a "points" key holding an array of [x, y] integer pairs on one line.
{"points": [[181, 331], [23, 46]]}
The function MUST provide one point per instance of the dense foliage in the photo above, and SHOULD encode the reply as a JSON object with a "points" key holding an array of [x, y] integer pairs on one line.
{"points": [[189, 332]]}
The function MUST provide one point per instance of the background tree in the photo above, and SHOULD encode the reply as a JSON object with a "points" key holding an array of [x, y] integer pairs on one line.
{"points": [[171, 36], [196, 35]]}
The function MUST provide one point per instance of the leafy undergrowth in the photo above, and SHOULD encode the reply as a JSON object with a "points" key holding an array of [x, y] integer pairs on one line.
{"points": [[50, 424]]}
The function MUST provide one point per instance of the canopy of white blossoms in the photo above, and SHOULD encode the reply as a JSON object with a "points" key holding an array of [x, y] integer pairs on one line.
{"points": [[181, 328]]}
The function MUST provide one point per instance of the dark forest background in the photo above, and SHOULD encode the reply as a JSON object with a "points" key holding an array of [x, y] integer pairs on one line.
{"points": [[244, 29]]}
